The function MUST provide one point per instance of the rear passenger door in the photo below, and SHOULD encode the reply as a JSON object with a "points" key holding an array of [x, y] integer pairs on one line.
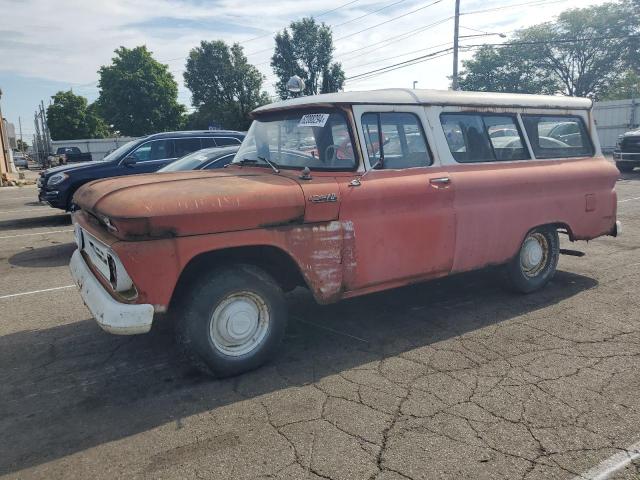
{"points": [[401, 210]]}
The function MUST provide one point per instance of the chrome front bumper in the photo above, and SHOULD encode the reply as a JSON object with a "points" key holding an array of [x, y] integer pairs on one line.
{"points": [[112, 316]]}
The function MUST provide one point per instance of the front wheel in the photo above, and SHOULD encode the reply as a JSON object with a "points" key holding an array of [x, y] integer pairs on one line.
{"points": [[231, 320], [536, 261]]}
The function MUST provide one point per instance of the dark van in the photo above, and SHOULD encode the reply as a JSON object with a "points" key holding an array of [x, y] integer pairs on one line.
{"points": [[144, 155]]}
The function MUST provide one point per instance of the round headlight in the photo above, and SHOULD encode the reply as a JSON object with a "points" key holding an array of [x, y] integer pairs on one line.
{"points": [[57, 179]]}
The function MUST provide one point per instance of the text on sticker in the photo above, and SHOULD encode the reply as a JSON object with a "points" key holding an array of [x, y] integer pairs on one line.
{"points": [[314, 120]]}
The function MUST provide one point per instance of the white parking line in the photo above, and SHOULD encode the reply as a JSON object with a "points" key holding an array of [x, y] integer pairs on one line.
{"points": [[31, 197], [628, 199], [35, 291], [612, 464], [40, 233]]}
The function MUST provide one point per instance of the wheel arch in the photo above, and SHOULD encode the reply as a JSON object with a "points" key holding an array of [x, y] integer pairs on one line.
{"points": [[273, 260]]}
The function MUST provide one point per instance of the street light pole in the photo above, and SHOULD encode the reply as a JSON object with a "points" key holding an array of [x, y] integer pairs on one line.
{"points": [[456, 37], [414, 84]]}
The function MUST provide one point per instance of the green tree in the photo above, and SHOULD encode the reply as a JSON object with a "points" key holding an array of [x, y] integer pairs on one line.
{"points": [[70, 117], [22, 145], [546, 58], [505, 69], [306, 51], [224, 86], [627, 85], [138, 95]]}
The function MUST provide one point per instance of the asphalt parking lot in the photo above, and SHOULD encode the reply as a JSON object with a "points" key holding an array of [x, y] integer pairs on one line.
{"points": [[450, 379]]}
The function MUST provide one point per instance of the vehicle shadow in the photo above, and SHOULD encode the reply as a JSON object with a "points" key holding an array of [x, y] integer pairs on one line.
{"points": [[53, 256], [73, 387], [31, 222]]}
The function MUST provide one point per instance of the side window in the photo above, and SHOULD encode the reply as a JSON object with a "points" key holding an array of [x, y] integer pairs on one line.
{"points": [[142, 153], [558, 136], [161, 149], [154, 150], [505, 138], [186, 145], [483, 138], [225, 141], [220, 162], [208, 142], [395, 140]]}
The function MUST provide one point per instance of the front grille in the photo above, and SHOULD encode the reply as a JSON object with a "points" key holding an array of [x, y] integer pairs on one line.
{"points": [[630, 144]]}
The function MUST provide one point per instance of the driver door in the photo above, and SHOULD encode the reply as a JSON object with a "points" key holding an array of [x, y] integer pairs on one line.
{"points": [[401, 211]]}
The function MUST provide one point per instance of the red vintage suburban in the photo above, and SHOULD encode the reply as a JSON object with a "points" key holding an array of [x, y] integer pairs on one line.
{"points": [[345, 194]]}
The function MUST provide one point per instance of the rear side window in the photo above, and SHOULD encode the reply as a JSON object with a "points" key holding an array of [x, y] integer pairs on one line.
{"points": [[483, 138], [220, 162], [558, 136], [395, 140], [184, 146], [208, 142], [154, 150]]}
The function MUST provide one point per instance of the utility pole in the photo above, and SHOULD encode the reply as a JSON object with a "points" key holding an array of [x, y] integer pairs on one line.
{"points": [[21, 141], [456, 36]]}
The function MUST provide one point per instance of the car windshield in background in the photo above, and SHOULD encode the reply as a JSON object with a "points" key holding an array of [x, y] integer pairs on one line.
{"points": [[320, 140], [118, 151], [196, 160]]}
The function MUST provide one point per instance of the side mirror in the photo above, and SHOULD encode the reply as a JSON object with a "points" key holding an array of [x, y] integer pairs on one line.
{"points": [[129, 161]]}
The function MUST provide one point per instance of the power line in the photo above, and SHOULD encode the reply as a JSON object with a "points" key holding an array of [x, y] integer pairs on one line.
{"points": [[504, 7], [389, 21], [542, 42], [399, 37], [404, 64], [367, 14], [316, 16], [440, 53]]}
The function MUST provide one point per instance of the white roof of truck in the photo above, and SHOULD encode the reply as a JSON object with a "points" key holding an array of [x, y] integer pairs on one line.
{"points": [[406, 96]]}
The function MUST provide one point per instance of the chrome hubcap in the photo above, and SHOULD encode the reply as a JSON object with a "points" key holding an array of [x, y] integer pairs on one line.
{"points": [[534, 254], [239, 323]]}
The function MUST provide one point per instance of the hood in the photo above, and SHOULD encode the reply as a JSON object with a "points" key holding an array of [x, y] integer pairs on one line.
{"points": [[632, 133], [73, 166], [161, 205]]}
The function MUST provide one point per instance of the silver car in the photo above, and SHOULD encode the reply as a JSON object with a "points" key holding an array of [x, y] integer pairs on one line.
{"points": [[20, 161]]}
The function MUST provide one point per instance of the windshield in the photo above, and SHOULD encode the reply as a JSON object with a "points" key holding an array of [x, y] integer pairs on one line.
{"points": [[320, 140], [192, 161], [117, 153]]}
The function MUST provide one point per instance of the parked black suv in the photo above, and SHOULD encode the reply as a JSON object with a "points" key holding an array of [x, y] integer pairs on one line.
{"points": [[627, 152], [144, 155]]}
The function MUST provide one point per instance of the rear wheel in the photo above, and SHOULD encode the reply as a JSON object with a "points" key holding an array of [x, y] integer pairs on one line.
{"points": [[625, 167], [231, 320], [536, 261]]}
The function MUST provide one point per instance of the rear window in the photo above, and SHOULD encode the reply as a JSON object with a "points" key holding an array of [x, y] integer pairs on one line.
{"points": [[558, 136], [483, 138]]}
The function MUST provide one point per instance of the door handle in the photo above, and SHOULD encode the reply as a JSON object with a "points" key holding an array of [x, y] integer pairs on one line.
{"points": [[440, 182]]}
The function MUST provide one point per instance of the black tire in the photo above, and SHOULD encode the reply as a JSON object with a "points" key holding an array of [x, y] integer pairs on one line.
{"points": [[523, 274], [200, 300], [625, 167]]}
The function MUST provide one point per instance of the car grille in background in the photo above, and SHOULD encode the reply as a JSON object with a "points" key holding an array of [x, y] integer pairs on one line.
{"points": [[630, 144]]}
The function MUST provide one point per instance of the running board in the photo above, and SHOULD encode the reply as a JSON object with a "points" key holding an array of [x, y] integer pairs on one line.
{"points": [[573, 253]]}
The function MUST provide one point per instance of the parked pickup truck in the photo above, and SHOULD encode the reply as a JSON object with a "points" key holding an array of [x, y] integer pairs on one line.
{"points": [[627, 152], [344, 194], [72, 155]]}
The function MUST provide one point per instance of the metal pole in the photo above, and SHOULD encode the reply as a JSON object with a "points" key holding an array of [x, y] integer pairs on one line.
{"points": [[21, 141], [456, 36]]}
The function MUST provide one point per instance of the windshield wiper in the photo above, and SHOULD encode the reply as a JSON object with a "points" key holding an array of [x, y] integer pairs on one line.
{"points": [[271, 163]]}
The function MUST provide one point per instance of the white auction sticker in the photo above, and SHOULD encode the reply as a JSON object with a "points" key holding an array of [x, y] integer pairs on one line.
{"points": [[314, 120]]}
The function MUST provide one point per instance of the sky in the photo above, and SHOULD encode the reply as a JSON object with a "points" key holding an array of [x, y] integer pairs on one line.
{"points": [[52, 45]]}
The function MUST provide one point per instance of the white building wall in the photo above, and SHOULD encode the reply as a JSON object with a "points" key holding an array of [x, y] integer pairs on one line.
{"points": [[613, 118], [98, 147]]}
